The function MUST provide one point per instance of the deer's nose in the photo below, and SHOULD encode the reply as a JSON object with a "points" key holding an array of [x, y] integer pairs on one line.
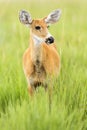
{"points": [[50, 40]]}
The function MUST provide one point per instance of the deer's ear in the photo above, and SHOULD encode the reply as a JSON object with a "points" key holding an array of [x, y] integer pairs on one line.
{"points": [[25, 17], [53, 17]]}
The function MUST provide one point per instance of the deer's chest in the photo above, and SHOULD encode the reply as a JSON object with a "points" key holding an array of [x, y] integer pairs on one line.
{"points": [[38, 76], [39, 70]]}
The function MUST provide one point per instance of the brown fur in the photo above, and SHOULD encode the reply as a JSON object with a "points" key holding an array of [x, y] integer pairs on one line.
{"points": [[38, 62]]}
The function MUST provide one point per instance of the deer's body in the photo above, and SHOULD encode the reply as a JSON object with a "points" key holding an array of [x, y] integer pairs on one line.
{"points": [[40, 59], [37, 64]]}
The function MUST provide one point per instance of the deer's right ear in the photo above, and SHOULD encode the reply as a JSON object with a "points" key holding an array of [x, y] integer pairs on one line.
{"points": [[25, 17]]}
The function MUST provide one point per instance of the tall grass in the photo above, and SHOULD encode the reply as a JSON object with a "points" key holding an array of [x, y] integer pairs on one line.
{"points": [[69, 100]]}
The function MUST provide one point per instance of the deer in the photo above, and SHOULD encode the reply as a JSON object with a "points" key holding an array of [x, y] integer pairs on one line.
{"points": [[41, 59]]}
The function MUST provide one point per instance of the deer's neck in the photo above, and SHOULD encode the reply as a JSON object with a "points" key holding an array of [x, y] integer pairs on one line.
{"points": [[36, 49]]}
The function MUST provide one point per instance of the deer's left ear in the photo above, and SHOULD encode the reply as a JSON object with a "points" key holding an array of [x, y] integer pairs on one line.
{"points": [[53, 17]]}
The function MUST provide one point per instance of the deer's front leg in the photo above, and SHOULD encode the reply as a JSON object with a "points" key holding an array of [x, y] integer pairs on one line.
{"points": [[31, 90], [31, 86]]}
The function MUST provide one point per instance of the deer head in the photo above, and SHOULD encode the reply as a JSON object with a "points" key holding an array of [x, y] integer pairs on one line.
{"points": [[39, 27]]}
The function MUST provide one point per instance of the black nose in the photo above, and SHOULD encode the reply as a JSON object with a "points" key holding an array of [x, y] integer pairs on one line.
{"points": [[50, 40]]}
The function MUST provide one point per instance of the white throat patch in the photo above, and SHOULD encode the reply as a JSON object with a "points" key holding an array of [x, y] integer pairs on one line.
{"points": [[38, 40]]}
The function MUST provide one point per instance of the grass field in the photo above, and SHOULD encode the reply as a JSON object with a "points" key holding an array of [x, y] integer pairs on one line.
{"points": [[69, 100]]}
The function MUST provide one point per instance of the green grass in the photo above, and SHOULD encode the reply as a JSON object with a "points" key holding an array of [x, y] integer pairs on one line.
{"points": [[69, 101]]}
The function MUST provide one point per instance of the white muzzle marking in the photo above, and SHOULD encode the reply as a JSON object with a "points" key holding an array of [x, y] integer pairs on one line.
{"points": [[39, 40]]}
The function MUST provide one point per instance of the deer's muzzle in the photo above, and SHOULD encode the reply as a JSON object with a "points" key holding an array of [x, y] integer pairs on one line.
{"points": [[49, 40]]}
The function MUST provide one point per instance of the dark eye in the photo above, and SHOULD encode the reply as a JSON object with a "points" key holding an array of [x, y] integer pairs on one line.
{"points": [[37, 27]]}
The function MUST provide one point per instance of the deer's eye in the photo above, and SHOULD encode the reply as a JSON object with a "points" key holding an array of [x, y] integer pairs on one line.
{"points": [[37, 27]]}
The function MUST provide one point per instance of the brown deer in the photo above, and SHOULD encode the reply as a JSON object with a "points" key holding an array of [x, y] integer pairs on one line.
{"points": [[41, 60]]}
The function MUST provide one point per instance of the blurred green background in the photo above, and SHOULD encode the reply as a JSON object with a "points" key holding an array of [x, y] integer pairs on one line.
{"points": [[69, 100]]}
